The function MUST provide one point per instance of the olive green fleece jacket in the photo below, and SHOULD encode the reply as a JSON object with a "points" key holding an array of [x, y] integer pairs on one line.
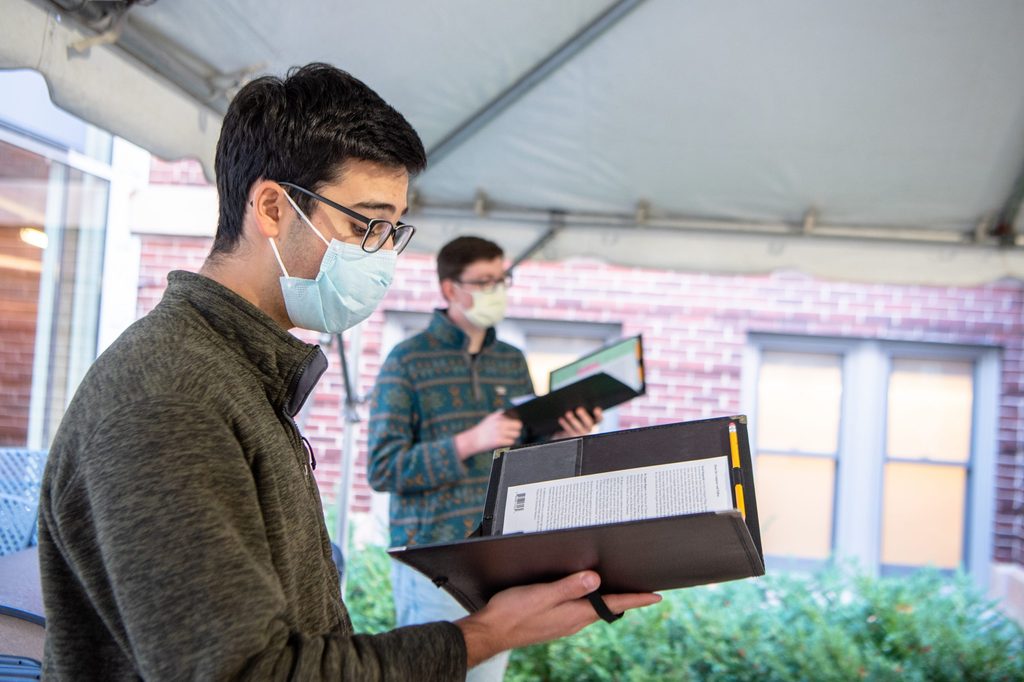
{"points": [[181, 532]]}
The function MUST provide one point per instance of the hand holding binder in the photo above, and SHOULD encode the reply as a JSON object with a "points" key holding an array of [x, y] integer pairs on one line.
{"points": [[579, 422], [494, 431], [532, 614]]}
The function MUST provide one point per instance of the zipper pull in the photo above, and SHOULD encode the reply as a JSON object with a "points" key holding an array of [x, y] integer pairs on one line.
{"points": [[309, 450]]}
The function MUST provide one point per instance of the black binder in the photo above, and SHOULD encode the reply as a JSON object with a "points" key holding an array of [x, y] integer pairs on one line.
{"points": [[595, 388], [632, 556]]}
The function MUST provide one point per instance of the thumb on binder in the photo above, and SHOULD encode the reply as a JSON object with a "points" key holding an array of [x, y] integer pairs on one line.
{"points": [[533, 614]]}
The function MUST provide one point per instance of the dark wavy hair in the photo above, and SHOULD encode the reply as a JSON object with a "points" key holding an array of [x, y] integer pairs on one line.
{"points": [[302, 129], [461, 252]]}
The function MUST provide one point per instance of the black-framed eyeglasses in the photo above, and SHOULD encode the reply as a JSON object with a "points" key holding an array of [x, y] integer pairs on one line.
{"points": [[378, 231], [488, 285]]}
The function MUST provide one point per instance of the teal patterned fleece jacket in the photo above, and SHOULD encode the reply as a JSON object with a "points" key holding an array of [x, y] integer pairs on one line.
{"points": [[429, 389]]}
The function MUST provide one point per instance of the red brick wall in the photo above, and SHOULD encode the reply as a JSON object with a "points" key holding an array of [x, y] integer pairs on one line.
{"points": [[695, 327]]}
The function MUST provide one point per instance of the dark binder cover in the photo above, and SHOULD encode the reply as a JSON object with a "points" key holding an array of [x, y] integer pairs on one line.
{"points": [[632, 556], [540, 415]]}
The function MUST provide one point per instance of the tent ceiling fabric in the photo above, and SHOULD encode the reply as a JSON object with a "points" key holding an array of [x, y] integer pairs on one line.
{"points": [[788, 117]]}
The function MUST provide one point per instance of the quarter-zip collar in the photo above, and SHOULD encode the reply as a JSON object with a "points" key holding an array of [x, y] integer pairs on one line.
{"points": [[287, 367], [444, 330]]}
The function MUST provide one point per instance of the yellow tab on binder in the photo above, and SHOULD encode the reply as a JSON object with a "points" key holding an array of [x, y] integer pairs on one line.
{"points": [[734, 446]]}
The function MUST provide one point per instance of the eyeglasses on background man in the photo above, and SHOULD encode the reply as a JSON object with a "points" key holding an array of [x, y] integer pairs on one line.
{"points": [[487, 285]]}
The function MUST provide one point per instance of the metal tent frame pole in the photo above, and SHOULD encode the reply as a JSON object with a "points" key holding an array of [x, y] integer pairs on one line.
{"points": [[351, 419], [534, 76]]}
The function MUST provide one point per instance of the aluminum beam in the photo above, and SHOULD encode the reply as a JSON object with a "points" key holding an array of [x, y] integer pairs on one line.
{"points": [[530, 79]]}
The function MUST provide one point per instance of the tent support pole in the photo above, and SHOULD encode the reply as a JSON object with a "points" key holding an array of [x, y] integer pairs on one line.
{"points": [[1006, 230], [556, 223], [528, 80], [348, 448], [624, 221]]}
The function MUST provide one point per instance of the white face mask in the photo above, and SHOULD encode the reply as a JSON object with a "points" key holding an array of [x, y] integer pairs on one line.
{"points": [[488, 308], [349, 286]]}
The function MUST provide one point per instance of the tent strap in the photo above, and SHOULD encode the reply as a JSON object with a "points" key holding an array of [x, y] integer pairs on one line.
{"points": [[556, 223]]}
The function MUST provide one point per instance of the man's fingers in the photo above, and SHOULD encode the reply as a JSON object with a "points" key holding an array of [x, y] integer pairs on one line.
{"points": [[580, 422], [571, 423], [574, 587], [573, 590], [623, 602], [585, 419], [507, 429]]}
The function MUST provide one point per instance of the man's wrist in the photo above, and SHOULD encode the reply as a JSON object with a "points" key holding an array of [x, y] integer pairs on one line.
{"points": [[465, 444], [479, 646]]}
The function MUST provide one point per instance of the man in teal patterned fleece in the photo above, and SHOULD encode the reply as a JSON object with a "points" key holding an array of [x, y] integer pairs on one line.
{"points": [[436, 416]]}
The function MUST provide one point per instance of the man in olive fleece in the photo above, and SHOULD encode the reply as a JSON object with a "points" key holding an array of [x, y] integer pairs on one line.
{"points": [[181, 533]]}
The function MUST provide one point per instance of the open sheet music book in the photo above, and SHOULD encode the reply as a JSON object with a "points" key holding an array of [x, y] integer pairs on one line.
{"points": [[649, 509], [604, 378]]}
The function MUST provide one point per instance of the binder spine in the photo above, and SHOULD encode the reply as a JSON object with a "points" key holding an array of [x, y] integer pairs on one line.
{"points": [[493, 485], [753, 559]]}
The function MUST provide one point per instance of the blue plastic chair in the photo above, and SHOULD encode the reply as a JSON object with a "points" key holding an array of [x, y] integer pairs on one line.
{"points": [[21, 474], [20, 668]]}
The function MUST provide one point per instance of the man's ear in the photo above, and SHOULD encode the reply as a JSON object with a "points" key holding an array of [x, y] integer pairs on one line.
{"points": [[268, 208], [448, 289]]}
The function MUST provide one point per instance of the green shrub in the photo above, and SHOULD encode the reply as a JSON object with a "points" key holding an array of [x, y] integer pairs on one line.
{"points": [[836, 625], [368, 590]]}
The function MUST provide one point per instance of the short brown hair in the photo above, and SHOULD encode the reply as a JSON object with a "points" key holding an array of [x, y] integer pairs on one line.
{"points": [[461, 252]]}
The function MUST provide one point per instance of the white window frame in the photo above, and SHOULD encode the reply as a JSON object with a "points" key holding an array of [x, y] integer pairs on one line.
{"points": [[857, 505], [119, 257]]}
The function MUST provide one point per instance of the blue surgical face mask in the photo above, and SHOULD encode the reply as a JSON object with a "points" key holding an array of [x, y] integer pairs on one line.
{"points": [[349, 286]]}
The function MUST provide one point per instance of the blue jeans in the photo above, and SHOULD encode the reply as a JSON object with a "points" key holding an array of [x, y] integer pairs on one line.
{"points": [[417, 601]]}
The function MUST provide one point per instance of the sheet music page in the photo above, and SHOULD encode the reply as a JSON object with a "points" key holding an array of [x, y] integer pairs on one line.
{"points": [[645, 492], [619, 361]]}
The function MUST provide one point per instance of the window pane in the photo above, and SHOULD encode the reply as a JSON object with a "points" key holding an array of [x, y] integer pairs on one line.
{"points": [[52, 229], [794, 505], [798, 400], [923, 514], [930, 408], [23, 239], [77, 281]]}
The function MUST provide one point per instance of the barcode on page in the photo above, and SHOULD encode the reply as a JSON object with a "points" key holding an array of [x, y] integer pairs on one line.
{"points": [[520, 502]]}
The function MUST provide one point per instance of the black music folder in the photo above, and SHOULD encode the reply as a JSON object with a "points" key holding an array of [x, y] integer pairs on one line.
{"points": [[604, 378], [686, 490]]}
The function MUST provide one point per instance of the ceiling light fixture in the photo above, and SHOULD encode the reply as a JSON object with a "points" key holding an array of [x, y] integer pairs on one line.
{"points": [[34, 237]]}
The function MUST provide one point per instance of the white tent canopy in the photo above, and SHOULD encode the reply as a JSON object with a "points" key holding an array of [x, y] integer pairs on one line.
{"points": [[861, 139]]}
